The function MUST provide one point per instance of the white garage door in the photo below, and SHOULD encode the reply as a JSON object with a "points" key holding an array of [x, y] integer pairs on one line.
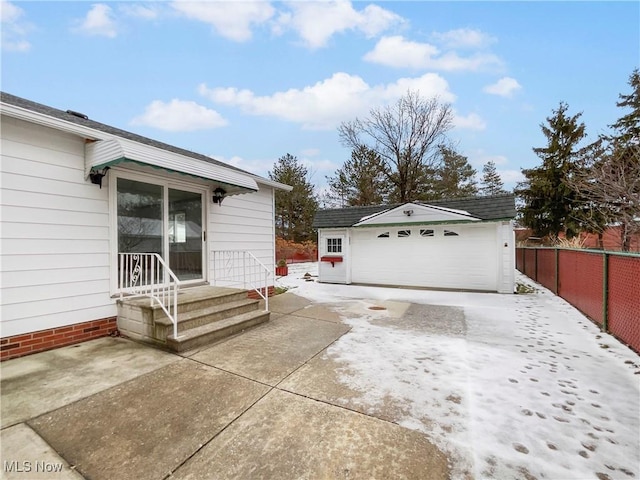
{"points": [[450, 256]]}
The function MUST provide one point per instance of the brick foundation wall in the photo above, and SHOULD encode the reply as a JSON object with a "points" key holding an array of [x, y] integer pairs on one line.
{"points": [[28, 343], [254, 295]]}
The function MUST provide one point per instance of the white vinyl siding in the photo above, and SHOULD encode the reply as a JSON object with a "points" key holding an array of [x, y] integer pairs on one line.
{"points": [[243, 222], [55, 232], [336, 272], [506, 257]]}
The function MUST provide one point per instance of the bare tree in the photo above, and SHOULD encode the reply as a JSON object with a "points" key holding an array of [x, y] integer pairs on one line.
{"points": [[406, 135], [608, 181], [609, 184]]}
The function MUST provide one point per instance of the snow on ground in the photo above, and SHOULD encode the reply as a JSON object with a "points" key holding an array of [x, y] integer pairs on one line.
{"points": [[531, 389]]}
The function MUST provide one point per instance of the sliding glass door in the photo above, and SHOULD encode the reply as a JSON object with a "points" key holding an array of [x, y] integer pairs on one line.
{"points": [[185, 234], [157, 218]]}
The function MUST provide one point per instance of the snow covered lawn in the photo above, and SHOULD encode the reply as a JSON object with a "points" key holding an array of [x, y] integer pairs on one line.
{"points": [[509, 386]]}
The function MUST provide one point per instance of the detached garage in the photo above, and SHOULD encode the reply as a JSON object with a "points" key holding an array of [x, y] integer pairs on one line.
{"points": [[461, 244]]}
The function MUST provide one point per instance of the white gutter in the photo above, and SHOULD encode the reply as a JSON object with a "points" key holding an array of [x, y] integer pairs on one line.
{"points": [[272, 183]]}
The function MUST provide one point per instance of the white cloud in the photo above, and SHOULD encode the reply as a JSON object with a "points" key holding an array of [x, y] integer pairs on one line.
{"points": [[14, 29], [179, 116], [505, 87], [464, 38], [396, 51], [146, 12], [327, 103], [232, 20], [319, 165], [511, 176], [473, 121], [98, 21], [9, 12], [317, 22]]}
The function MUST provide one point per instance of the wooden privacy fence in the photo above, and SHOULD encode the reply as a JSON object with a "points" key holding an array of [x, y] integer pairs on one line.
{"points": [[603, 285]]}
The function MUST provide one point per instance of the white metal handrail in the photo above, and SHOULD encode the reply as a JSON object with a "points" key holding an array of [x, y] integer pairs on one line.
{"points": [[241, 268], [147, 275]]}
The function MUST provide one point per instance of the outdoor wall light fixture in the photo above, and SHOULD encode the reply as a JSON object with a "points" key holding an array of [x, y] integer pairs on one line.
{"points": [[408, 213], [218, 195], [97, 175]]}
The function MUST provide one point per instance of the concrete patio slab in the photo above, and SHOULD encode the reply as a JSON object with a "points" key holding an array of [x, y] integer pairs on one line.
{"points": [[323, 377], [319, 312], [431, 319], [37, 384], [287, 303], [385, 308], [272, 351], [319, 379], [285, 436], [26, 455], [146, 428]]}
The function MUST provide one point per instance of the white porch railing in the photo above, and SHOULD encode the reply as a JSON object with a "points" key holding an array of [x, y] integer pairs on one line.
{"points": [[242, 269], [147, 275]]}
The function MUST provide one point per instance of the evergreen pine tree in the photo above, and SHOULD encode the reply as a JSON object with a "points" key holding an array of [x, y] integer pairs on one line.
{"points": [[491, 181], [550, 205], [454, 177], [295, 209], [360, 181]]}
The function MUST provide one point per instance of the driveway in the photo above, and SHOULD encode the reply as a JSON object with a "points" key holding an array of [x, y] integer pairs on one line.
{"points": [[343, 382]]}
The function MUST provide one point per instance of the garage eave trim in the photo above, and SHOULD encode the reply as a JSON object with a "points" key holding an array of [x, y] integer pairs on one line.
{"points": [[105, 153], [413, 224], [413, 213]]}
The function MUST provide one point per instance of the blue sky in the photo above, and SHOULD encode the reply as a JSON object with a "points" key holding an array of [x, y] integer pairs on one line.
{"points": [[247, 82]]}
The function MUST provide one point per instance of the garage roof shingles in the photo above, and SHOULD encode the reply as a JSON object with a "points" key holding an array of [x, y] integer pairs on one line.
{"points": [[497, 207]]}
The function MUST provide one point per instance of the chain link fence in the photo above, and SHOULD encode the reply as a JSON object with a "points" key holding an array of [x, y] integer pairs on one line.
{"points": [[603, 285], [624, 299], [546, 269], [580, 281]]}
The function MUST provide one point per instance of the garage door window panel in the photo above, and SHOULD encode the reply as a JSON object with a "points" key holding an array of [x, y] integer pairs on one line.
{"points": [[450, 233], [427, 232], [404, 233], [384, 235]]}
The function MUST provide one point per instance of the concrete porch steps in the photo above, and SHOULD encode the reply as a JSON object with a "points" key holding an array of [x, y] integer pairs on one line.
{"points": [[212, 332], [205, 315]]}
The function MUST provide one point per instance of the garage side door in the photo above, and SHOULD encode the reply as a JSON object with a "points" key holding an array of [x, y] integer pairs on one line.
{"points": [[453, 256]]}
